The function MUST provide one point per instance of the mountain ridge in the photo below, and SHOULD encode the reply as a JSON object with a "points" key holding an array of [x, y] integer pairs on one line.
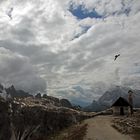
{"points": [[110, 96]]}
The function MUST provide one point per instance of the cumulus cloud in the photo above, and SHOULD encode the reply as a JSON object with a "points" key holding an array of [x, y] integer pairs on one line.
{"points": [[16, 69], [46, 43]]}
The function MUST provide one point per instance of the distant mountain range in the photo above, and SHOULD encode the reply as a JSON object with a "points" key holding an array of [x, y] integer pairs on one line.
{"points": [[12, 92], [110, 96], [78, 95], [104, 102]]}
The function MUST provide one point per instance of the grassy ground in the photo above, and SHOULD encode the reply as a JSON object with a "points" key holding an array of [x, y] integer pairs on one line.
{"points": [[76, 132], [136, 134], [129, 125]]}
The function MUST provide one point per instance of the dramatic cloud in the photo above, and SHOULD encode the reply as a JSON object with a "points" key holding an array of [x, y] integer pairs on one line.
{"points": [[16, 69], [69, 46]]}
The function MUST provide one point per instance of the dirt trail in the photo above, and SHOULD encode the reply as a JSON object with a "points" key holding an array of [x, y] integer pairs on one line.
{"points": [[99, 128]]}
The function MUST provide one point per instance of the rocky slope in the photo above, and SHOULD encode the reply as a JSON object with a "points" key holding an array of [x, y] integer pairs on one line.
{"points": [[33, 118]]}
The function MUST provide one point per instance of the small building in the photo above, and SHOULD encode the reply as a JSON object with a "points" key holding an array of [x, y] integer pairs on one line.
{"points": [[121, 107]]}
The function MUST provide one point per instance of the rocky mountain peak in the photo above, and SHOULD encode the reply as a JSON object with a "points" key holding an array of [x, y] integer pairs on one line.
{"points": [[110, 96]]}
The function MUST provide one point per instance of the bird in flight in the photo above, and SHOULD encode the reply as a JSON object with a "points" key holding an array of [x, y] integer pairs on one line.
{"points": [[9, 13], [116, 56]]}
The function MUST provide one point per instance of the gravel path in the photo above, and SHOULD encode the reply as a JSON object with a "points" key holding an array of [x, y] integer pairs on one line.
{"points": [[99, 128]]}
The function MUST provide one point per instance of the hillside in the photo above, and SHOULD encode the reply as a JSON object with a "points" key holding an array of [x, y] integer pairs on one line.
{"points": [[35, 118]]}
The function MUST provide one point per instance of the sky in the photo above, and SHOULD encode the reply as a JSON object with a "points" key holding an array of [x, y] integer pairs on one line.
{"points": [[66, 48]]}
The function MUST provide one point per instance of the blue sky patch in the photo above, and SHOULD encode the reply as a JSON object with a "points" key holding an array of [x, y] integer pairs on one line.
{"points": [[81, 12]]}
